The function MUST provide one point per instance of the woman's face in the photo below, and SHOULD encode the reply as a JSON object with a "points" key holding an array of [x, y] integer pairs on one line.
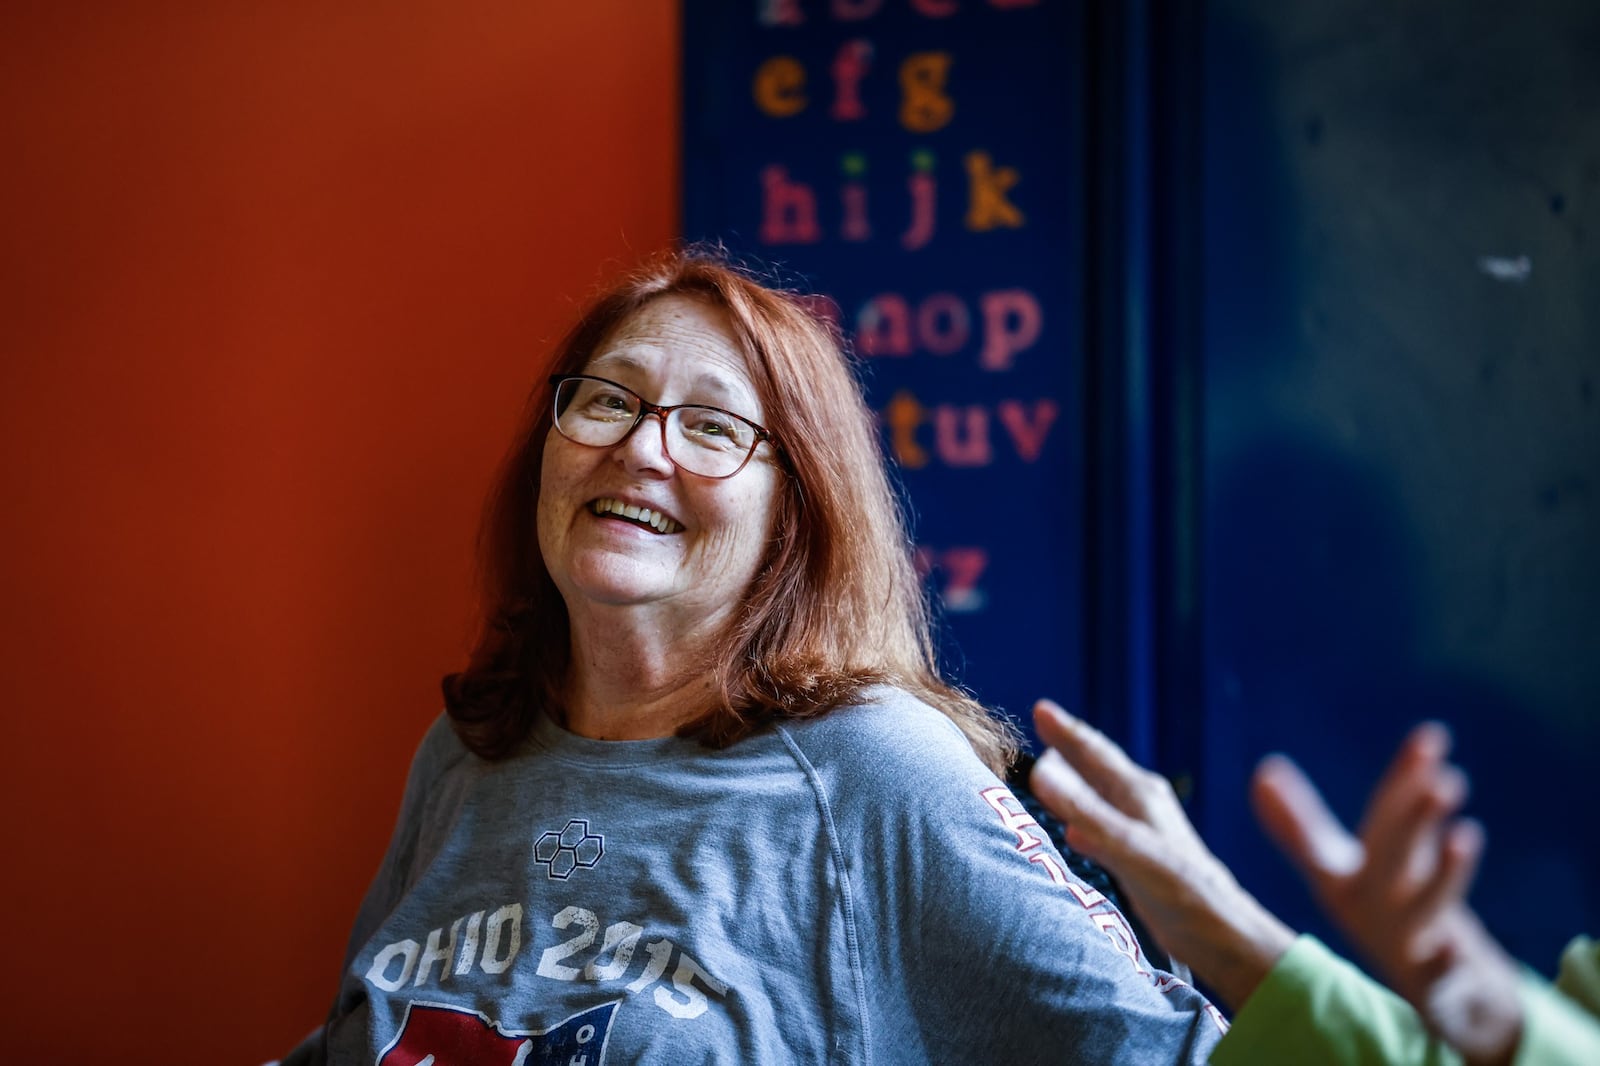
{"points": [[673, 350]]}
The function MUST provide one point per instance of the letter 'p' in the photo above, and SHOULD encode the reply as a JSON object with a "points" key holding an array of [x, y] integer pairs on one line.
{"points": [[1012, 322]]}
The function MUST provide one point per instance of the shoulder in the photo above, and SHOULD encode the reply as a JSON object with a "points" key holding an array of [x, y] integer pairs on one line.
{"points": [[439, 750], [438, 755], [890, 759], [889, 730]]}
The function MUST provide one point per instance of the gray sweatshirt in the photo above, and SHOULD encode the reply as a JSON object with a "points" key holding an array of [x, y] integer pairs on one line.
{"points": [[853, 889]]}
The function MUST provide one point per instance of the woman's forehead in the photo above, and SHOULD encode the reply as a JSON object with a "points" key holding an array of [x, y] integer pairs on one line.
{"points": [[679, 341]]}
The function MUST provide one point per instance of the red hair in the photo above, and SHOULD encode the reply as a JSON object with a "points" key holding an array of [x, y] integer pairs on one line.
{"points": [[836, 605]]}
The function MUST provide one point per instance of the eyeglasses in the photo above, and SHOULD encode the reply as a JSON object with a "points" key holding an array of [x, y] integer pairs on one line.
{"points": [[706, 441]]}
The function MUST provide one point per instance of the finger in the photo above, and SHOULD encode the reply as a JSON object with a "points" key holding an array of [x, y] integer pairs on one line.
{"points": [[1409, 773], [1060, 787], [1293, 814], [1102, 765], [1463, 850], [1460, 849], [1405, 839]]}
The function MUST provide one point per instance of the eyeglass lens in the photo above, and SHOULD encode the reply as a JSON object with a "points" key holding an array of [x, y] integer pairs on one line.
{"points": [[702, 440]]}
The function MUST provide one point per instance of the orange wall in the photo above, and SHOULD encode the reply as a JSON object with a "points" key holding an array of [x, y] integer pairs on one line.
{"points": [[276, 278]]}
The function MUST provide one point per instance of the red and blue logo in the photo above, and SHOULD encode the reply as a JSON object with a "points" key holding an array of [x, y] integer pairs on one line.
{"points": [[433, 1034]]}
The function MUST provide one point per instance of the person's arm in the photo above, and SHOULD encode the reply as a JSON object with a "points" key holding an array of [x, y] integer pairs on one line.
{"points": [[1315, 1007], [1399, 890], [1127, 819], [1559, 1025], [1294, 999]]}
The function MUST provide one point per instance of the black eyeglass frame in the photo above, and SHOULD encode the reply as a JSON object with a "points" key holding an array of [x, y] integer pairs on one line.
{"points": [[661, 411]]}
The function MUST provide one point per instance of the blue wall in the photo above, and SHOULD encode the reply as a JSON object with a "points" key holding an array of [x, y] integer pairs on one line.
{"points": [[1402, 443], [1319, 292]]}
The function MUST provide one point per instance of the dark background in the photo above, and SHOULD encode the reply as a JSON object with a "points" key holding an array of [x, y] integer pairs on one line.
{"points": [[1320, 284]]}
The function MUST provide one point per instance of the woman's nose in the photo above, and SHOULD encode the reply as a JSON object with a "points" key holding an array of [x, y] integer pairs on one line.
{"points": [[644, 449]]}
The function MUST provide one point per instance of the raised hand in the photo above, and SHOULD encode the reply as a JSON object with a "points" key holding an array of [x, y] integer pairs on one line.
{"points": [[1128, 819], [1399, 891]]}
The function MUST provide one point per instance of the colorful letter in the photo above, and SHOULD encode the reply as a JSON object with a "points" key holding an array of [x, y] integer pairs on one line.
{"points": [[904, 415], [1011, 322], [850, 65], [854, 10], [777, 87], [1027, 433], [853, 197], [780, 13], [961, 593], [924, 193], [943, 324], [987, 206], [924, 107], [961, 435], [789, 214], [884, 326]]}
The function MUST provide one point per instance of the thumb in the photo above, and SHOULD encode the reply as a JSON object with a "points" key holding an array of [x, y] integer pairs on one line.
{"points": [[1293, 814]]}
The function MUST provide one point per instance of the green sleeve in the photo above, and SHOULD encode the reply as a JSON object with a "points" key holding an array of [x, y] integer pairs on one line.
{"points": [[1556, 1031], [1315, 1007], [1579, 978]]}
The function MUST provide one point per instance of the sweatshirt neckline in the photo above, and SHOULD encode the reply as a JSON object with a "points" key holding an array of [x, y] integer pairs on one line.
{"points": [[557, 741]]}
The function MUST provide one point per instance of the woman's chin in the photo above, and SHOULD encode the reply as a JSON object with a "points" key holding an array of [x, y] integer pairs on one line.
{"points": [[617, 585]]}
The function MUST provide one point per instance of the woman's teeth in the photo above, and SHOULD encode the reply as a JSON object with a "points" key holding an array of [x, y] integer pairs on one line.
{"points": [[643, 515]]}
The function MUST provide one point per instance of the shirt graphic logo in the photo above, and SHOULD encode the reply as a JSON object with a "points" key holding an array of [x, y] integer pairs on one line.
{"points": [[437, 1035], [561, 853]]}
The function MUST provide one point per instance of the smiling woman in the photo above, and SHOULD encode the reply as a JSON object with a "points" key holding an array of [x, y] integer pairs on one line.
{"points": [[782, 615], [641, 602], [701, 793]]}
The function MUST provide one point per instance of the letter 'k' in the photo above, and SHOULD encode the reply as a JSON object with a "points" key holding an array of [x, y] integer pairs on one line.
{"points": [[987, 206]]}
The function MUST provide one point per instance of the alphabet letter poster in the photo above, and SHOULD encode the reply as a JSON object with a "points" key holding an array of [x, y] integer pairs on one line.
{"points": [[919, 163]]}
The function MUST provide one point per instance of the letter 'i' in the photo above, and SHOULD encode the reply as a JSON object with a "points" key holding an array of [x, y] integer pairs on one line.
{"points": [[853, 197]]}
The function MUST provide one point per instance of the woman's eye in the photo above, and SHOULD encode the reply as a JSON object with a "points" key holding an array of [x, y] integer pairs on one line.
{"points": [[714, 430], [713, 425], [610, 401]]}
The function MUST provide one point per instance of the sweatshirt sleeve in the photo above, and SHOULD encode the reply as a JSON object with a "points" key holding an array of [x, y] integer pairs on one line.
{"points": [[1317, 1008], [974, 942]]}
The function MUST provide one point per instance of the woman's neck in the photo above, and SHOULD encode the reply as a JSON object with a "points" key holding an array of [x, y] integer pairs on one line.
{"points": [[631, 679]]}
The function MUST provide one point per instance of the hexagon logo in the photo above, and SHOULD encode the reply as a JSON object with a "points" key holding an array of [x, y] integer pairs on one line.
{"points": [[573, 847]]}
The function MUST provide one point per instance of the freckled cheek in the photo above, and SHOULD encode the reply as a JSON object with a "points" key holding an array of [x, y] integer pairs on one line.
{"points": [[544, 529], [554, 514], [733, 547]]}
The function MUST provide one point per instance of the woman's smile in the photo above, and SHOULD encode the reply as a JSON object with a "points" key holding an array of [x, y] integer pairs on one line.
{"points": [[652, 519]]}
